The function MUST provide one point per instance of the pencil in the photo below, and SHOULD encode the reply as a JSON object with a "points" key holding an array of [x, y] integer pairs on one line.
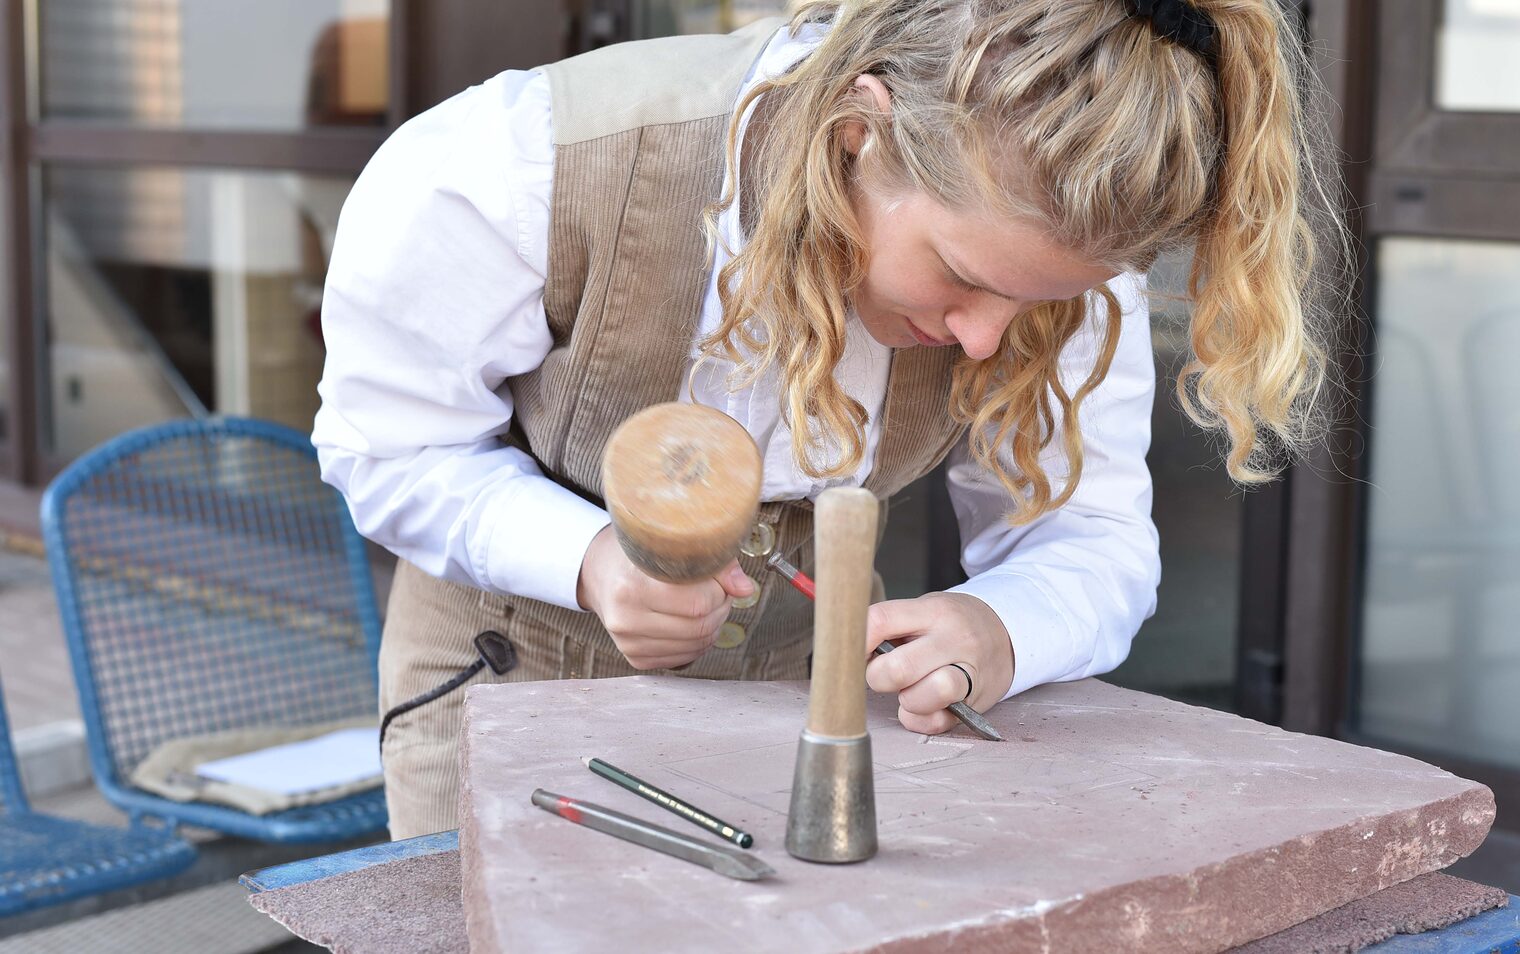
{"points": [[670, 803]]}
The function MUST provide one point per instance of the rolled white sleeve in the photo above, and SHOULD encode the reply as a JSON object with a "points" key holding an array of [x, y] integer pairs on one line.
{"points": [[434, 298], [1073, 587]]}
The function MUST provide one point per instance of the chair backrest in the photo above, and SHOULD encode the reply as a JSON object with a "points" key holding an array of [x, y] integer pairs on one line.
{"points": [[208, 580], [12, 798]]}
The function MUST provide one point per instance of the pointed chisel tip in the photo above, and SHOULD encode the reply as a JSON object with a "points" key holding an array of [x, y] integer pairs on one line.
{"points": [[747, 868]]}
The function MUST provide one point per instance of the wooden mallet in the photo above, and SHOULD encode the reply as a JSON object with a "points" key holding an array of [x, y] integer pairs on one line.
{"points": [[682, 483]]}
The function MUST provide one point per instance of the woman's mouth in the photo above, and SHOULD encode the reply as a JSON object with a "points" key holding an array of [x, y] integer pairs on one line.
{"points": [[924, 339]]}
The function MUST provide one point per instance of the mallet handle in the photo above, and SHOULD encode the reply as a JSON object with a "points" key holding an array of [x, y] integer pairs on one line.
{"points": [[844, 547]]}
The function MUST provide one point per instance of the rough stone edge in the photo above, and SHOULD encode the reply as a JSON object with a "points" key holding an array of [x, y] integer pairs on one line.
{"points": [[481, 931], [1146, 914]]}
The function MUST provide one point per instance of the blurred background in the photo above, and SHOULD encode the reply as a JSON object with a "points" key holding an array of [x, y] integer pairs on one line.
{"points": [[174, 170]]}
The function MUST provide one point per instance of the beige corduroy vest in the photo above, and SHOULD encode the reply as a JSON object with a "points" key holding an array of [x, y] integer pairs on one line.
{"points": [[639, 134]]}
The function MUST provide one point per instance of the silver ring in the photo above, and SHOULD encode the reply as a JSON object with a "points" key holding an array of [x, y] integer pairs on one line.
{"points": [[968, 680]]}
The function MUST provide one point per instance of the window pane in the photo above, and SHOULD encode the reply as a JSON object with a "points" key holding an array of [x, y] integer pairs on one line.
{"points": [[1439, 659], [275, 64], [1187, 650], [171, 292], [1478, 47], [671, 17]]}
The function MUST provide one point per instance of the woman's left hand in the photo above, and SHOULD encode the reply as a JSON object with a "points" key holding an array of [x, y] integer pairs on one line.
{"points": [[930, 633]]}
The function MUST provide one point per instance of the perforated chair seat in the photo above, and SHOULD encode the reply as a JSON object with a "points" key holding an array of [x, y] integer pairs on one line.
{"points": [[46, 860]]}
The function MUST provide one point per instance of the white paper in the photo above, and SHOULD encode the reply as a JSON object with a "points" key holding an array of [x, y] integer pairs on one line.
{"points": [[337, 758]]}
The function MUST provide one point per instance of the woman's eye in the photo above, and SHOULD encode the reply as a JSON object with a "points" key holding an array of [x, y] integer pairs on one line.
{"points": [[959, 282]]}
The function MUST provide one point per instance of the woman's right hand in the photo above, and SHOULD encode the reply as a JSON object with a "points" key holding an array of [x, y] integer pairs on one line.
{"points": [[656, 625]]}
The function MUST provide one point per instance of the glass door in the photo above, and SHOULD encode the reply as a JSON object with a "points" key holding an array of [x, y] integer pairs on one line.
{"points": [[675, 17], [1436, 653], [186, 163]]}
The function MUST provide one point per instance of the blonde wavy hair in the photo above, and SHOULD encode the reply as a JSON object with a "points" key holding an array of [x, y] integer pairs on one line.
{"points": [[1077, 116]]}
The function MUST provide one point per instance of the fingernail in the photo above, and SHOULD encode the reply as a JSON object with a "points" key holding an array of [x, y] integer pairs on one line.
{"points": [[740, 581]]}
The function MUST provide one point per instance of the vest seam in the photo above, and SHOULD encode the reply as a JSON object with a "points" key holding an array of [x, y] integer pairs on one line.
{"points": [[594, 341]]}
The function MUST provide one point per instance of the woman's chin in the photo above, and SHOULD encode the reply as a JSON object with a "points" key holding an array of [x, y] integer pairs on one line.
{"points": [[889, 338], [889, 331]]}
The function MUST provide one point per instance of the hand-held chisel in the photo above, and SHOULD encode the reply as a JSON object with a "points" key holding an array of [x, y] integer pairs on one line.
{"points": [[969, 717], [720, 858]]}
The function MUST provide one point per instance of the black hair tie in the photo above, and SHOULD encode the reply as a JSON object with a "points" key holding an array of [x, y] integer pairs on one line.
{"points": [[1182, 23]]}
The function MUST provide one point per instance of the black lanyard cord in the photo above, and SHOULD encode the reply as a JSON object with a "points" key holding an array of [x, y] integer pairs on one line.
{"points": [[495, 651]]}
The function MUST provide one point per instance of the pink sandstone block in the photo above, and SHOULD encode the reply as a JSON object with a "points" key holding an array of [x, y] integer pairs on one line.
{"points": [[1110, 820]]}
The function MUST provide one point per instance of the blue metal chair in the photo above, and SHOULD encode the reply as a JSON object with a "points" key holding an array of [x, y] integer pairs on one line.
{"points": [[209, 581], [46, 860]]}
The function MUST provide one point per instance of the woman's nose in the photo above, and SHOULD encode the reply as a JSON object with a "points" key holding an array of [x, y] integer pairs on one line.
{"points": [[979, 327]]}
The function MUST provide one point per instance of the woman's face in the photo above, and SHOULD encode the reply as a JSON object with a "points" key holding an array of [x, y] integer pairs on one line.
{"points": [[937, 278]]}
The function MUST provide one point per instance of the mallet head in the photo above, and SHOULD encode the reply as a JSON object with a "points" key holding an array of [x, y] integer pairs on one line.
{"points": [[682, 483]]}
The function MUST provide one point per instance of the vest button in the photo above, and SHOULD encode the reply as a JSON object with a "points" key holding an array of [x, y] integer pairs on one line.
{"points": [[761, 540], [730, 635], [745, 602]]}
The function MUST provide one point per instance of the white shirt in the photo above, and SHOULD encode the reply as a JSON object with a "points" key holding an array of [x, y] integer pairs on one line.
{"points": [[434, 298]]}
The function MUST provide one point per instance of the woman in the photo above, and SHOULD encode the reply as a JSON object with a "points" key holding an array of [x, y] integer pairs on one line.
{"points": [[927, 239]]}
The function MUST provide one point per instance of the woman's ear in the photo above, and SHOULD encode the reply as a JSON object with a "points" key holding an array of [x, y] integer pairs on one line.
{"points": [[870, 88]]}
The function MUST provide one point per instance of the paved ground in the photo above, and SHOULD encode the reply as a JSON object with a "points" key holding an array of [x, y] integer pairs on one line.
{"points": [[34, 665], [215, 918]]}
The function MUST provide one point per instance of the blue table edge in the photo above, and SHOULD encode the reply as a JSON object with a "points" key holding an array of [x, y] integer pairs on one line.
{"points": [[1497, 930], [325, 866]]}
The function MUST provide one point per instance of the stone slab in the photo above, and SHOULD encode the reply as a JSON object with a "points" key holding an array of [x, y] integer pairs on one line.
{"points": [[1110, 820]]}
